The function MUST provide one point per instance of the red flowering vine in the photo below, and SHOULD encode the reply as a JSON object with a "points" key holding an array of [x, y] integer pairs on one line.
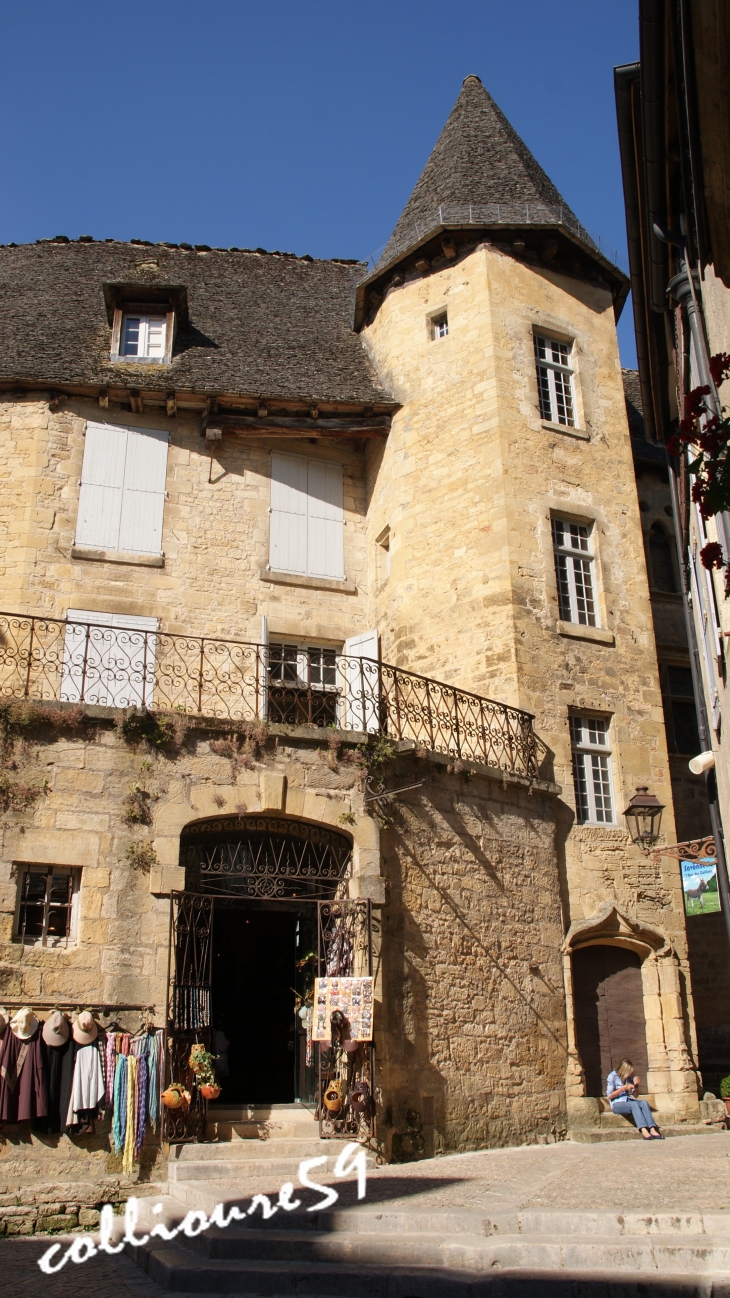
{"points": [[710, 433]]}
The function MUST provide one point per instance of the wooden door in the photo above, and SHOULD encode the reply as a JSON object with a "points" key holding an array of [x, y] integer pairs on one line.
{"points": [[609, 1013]]}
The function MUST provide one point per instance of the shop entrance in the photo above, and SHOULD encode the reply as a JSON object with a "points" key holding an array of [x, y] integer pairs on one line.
{"points": [[263, 967], [244, 949]]}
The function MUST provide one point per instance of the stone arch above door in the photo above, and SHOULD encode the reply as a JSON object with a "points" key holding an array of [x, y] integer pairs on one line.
{"points": [[613, 926]]}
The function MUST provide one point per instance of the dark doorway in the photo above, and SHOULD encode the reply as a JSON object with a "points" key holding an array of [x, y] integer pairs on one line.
{"points": [[257, 948], [609, 1013]]}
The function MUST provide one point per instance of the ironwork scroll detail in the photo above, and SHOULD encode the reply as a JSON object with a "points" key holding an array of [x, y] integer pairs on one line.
{"points": [[695, 849], [345, 950], [263, 856], [77, 662], [189, 1007]]}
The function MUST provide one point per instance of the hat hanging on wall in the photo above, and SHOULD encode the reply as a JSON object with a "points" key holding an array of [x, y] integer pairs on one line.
{"points": [[85, 1029], [56, 1029], [4, 1019], [24, 1024]]}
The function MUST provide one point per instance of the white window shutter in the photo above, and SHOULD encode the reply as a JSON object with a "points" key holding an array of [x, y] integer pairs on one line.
{"points": [[360, 684], [263, 701], [325, 522], [143, 503], [113, 664], [288, 533], [102, 484]]}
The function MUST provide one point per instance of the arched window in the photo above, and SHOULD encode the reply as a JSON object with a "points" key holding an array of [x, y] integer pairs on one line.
{"points": [[661, 560]]}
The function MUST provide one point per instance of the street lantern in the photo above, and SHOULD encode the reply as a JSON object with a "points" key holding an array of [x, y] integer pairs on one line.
{"points": [[643, 818]]}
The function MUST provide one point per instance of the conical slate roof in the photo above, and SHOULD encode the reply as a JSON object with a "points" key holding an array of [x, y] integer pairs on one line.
{"points": [[480, 163]]}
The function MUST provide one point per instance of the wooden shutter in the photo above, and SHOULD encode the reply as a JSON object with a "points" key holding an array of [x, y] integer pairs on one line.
{"points": [[325, 520], [102, 485], [122, 496], [108, 667], [143, 501], [288, 535], [359, 684]]}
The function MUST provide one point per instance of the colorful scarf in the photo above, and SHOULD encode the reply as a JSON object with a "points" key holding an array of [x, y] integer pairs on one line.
{"points": [[119, 1121], [128, 1158]]}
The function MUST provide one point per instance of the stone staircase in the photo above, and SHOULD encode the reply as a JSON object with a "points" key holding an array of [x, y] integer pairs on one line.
{"points": [[597, 1123], [365, 1252], [381, 1248], [262, 1144]]}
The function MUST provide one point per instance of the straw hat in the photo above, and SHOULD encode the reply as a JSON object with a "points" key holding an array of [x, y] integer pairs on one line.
{"points": [[85, 1029], [24, 1024], [4, 1019], [56, 1029]]}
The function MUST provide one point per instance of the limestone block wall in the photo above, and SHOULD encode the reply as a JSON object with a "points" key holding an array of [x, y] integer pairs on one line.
{"points": [[215, 535], [474, 1048], [468, 483]]}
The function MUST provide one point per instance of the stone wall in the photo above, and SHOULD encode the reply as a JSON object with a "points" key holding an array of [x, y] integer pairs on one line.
{"points": [[468, 999], [215, 535], [467, 483], [474, 1048]]}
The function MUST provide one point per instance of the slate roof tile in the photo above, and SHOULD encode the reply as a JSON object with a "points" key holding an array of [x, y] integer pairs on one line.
{"points": [[478, 159], [267, 326]]}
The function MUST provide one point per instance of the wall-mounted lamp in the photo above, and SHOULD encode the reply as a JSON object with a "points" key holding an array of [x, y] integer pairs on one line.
{"points": [[212, 435], [643, 818]]}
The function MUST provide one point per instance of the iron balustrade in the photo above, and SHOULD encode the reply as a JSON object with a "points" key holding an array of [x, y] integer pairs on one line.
{"points": [[46, 659]]}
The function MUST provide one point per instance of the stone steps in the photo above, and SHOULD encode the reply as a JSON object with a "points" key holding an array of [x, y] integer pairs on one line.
{"points": [[358, 1252], [240, 1151], [600, 1135]]}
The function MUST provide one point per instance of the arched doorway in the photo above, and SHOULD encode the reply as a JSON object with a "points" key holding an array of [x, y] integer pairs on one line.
{"points": [[609, 1012], [260, 877]]}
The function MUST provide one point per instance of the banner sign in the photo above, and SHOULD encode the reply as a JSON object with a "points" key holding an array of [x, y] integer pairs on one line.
{"points": [[699, 886]]}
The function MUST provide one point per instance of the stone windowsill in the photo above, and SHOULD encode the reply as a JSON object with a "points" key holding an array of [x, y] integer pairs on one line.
{"points": [[580, 433], [118, 556], [314, 583], [597, 634]]}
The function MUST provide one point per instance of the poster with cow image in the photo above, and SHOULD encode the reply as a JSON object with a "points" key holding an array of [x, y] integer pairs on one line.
{"points": [[699, 885]]}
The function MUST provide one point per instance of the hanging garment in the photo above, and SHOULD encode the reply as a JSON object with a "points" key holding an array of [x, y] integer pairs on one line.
{"points": [[57, 1064], [23, 1087], [119, 1120], [128, 1158], [87, 1089]]}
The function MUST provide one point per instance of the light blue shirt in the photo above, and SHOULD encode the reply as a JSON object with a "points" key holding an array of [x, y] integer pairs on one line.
{"points": [[614, 1083]]}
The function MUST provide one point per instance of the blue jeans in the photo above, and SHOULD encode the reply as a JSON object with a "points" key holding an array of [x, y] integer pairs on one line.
{"points": [[638, 1110]]}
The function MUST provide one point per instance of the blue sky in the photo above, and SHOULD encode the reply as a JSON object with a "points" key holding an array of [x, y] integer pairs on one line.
{"points": [[292, 126]]}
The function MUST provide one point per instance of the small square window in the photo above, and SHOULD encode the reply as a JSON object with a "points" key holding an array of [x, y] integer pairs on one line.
{"points": [[440, 326], [47, 905], [142, 334]]}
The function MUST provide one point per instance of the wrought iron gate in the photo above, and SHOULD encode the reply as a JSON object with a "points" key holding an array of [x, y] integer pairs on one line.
{"points": [[188, 1007], [345, 950]]}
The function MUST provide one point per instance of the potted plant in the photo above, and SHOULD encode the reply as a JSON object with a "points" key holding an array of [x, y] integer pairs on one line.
{"points": [[202, 1063], [176, 1097], [725, 1092]]}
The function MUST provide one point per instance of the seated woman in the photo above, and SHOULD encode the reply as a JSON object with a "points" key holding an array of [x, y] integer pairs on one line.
{"points": [[621, 1091]]}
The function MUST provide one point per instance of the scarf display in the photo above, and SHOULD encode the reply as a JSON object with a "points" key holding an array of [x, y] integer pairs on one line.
{"points": [[120, 1073]]}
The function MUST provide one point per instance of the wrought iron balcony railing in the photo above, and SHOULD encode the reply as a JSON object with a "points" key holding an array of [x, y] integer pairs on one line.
{"points": [[116, 666]]}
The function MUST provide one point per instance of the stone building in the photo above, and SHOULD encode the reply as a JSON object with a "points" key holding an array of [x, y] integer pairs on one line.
{"points": [[276, 533], [674, 132]]}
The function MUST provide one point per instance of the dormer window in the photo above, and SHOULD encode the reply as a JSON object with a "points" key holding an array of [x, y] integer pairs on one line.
{"points": [[142, 333], [144, 319], [144, 336]]}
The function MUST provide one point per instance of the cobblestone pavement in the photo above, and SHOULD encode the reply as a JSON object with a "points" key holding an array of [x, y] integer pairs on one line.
{"points": [[684, 1174]]}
